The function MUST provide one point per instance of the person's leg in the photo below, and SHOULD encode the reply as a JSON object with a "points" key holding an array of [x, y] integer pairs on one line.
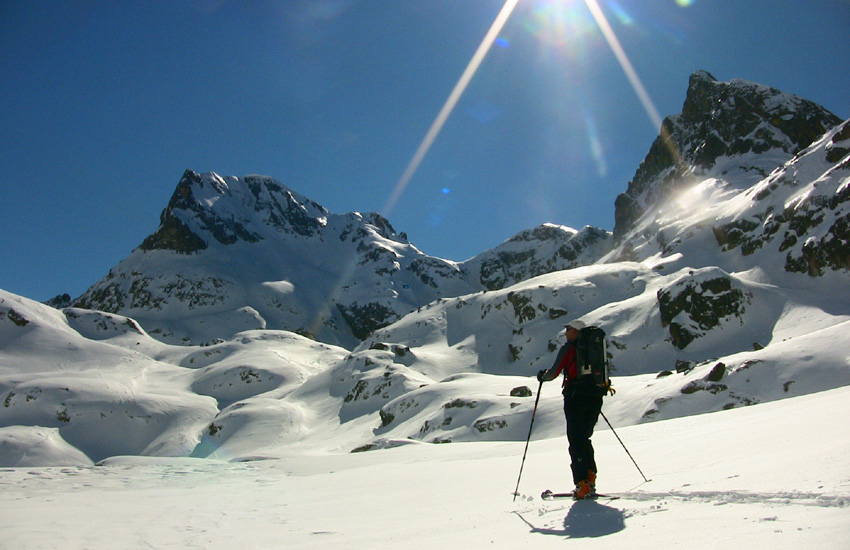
{"points": [[581, 415], [577, 438], [592, 409]]}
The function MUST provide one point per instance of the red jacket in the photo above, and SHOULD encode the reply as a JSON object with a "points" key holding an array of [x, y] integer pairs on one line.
{"points": [[564, 362]]}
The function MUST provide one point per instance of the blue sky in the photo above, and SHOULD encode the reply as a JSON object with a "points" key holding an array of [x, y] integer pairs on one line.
{"points": [[106, 103]]}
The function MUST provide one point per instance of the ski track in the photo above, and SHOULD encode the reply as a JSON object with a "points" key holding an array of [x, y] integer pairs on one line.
{"points": [[718, 498], [740, 497]]}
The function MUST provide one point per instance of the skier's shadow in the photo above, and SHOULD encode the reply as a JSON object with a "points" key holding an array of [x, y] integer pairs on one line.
{"points": [[586, 519]]}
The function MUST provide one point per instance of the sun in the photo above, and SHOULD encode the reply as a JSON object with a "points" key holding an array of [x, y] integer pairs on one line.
{"points": [[562, 26]]}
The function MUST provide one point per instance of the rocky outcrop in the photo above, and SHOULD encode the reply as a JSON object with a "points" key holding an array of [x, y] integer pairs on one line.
{"points": [[698, 303], [724, 127], [802, 210]]}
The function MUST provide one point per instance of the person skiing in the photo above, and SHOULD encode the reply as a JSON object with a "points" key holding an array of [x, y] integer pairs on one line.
{"points": [[582, 405]]}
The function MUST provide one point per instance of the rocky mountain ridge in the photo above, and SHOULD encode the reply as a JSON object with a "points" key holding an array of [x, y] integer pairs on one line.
{"points": [[737, 131], [233, 254]]}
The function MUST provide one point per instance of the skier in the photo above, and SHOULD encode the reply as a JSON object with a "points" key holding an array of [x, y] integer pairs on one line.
{"points": [[582, 405]]}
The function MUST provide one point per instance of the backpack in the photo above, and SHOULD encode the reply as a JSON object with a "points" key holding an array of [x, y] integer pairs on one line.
{"points": [[592, 358]]}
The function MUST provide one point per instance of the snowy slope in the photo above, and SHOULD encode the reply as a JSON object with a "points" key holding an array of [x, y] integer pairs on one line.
{"points": [[446, 373], [794, 220], [752, 343], [94, 384], [773, 476]]}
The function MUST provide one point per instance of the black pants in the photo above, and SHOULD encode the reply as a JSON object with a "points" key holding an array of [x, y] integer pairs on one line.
{"points": [[582, 411]]}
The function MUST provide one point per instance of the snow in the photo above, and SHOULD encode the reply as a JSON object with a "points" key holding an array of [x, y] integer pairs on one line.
{"points": [[249, 442], [732, 378], [771, 476]]}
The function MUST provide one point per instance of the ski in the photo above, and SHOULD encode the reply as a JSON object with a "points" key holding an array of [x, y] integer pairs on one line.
{"points": [[549, 495]]}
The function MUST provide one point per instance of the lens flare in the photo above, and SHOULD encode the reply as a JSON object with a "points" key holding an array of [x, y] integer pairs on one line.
{"points": [[561, 29], [596, 146], [633, 77], [623, 59], [452, 100], [621, 14]]}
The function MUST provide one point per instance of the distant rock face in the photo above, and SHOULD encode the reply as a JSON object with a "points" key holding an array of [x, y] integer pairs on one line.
{"points": [[60, 301], [537, 251], [191, 213], [248, 253], [235, 254], [720, 122]]}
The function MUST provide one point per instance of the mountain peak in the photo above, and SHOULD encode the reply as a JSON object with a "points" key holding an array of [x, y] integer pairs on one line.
{"points": [[700, 76], [249, 253], [207, 208], [173, 233], [724, 127], [739, 117]]}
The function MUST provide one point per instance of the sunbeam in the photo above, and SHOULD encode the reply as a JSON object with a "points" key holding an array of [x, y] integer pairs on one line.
{"points": [[623, 59], [634, 79], [595, 146], [427, 141], [452, 100]]}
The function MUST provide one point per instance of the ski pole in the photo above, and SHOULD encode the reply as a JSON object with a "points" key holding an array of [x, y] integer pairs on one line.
{"points": [[527, 441], [624, 446]]}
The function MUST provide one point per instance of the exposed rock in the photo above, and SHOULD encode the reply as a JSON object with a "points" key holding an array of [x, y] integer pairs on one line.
{"points": [[699, 302], [60, 301], [533, 252], [718, 119]]}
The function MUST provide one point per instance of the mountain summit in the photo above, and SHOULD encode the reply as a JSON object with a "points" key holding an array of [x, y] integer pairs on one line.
{"points": [[738, 130], [207, 207], [234, 254]]}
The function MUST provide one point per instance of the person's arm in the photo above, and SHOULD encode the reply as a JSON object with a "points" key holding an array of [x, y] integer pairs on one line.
{"points": [[552, 372]]}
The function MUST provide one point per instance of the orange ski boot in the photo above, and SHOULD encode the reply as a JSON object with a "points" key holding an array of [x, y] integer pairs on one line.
{"points": [[583, 490]]}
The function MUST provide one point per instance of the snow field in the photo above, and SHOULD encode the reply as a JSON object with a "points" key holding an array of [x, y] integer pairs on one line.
{"points": [[769, 476]]}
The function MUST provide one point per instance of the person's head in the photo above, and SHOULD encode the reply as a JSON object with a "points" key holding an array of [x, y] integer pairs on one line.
{"points": [[572, 330]]}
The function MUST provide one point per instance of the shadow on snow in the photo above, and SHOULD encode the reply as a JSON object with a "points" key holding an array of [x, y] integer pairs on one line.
{"points": [[586, 519]]}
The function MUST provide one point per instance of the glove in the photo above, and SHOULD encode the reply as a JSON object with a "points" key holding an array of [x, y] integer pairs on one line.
{"points": [[540, 376]]}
